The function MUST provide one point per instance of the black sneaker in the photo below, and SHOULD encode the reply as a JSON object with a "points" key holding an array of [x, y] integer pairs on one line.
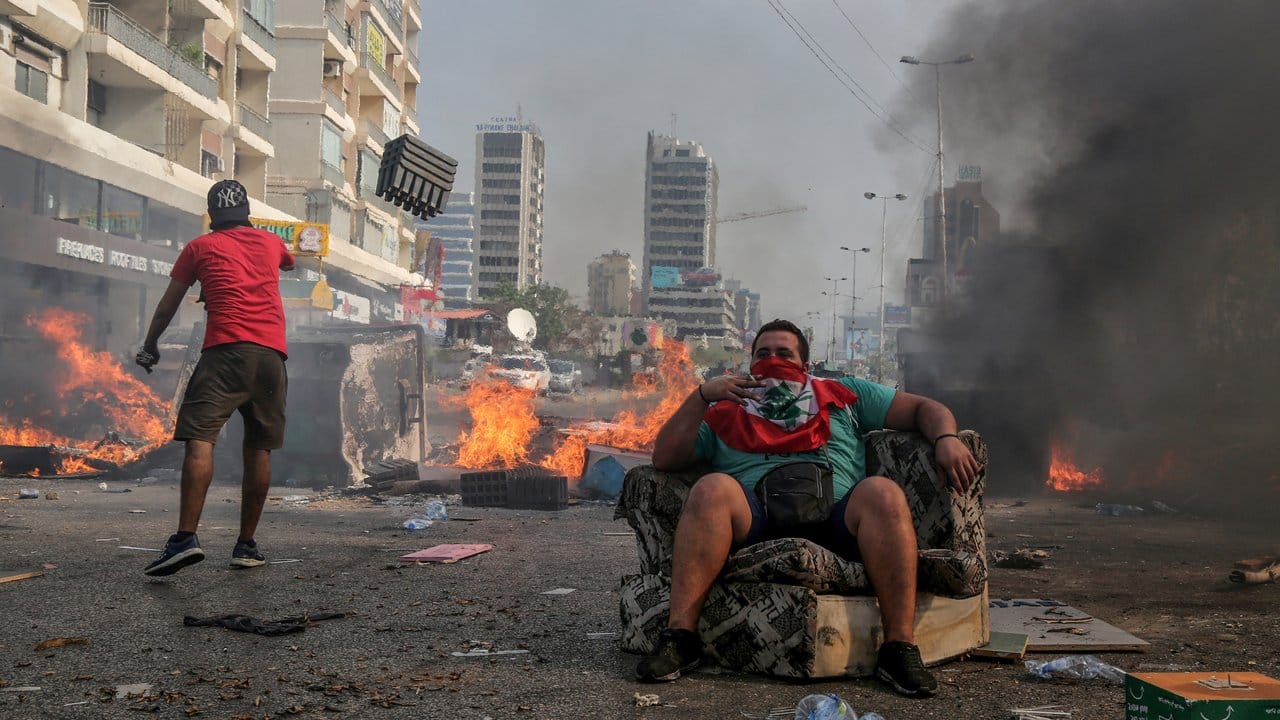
{"points": [[899, 666], [246, 555], [677, 651], [176, 555]]}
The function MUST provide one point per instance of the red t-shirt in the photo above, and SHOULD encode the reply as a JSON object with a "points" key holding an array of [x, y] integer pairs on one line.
{"points": [[239, 273]]}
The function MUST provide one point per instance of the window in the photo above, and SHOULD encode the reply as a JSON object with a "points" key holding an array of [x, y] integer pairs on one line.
{"points": [[682, 153], [209, 164], [17, 182], [168, 226], [122, 212], [502, 167], [32, 82], [331, 145], [368, 174], [70, 197], [97, 103]]}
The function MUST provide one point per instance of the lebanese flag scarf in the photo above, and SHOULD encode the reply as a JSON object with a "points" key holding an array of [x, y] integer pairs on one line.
{"points": [[792, 412]]}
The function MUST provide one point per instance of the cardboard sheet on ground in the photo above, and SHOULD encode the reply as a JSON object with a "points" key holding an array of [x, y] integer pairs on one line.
{"points": [[1052, 626], [445, 553]]}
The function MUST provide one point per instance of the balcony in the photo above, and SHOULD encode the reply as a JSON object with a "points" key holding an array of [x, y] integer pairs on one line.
{"points": [[376, 134], [340, 28], [378, 69], [335, 101], [255, 123], [107, 21], [394, 13], [333, 175], [256, 31]]}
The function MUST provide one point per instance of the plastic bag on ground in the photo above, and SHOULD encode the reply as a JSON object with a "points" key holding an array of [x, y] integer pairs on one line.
{"points": [[436, 511], [1076, 667], [824, 707], [413, 524]]}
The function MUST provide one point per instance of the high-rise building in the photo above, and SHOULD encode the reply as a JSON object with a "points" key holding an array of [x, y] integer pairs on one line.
{"points": [[610, 278], [115, 118], [971, 222], [510, 177], [680, 281], [345, 83], [455, 230]]}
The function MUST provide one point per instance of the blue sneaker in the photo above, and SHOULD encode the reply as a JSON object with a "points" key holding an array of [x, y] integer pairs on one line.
{"points": [[246, 555], [177, 554]]}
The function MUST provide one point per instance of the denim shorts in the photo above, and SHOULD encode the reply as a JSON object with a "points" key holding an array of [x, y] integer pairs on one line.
{"points": [[833, 535]]}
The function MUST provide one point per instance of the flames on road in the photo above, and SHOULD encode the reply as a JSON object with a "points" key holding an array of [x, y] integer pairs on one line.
{"points": [[1064, 476], [87, 384], [503, 420]]}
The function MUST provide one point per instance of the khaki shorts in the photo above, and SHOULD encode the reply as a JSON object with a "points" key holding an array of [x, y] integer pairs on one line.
{"points": [[237, 376]]}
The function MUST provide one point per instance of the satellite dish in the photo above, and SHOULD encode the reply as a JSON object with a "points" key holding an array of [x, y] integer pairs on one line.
{"points": [[521, 324]]}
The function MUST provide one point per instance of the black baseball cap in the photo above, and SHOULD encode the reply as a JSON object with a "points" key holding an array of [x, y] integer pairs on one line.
{"points": [[228, 202]]}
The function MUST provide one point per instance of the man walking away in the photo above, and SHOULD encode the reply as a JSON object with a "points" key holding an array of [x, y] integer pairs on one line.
{"points": [[241, 367]]}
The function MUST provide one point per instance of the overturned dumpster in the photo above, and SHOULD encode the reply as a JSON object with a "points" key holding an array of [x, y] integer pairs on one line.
{"points": [[355, 408]]}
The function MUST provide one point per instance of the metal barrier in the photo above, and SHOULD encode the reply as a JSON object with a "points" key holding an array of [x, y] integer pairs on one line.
{"points": [[106, 20], [376, 66], [340, 28], [335, 101], [258, 32]]}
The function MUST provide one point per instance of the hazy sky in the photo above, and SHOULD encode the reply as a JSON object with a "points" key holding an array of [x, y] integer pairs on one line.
{"points": [[596, 75]]}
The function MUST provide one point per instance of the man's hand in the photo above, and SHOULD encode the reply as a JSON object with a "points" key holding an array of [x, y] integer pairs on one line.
{"points": [[147, 357], [958, 466], [735, 388]]}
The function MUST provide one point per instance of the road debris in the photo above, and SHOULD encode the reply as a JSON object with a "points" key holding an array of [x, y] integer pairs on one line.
{"points": [[19, 576], [61, 642], [646, 700], [1043, 712], [1022, 559], [1256, 571], [249, 624], [559, 591], [125, 691], [448, 553]]}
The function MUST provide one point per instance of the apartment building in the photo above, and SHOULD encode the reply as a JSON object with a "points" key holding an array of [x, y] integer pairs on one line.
{"points": [[610, 279], [345, 84], [455, 230], [510, 179], [680, 281]]}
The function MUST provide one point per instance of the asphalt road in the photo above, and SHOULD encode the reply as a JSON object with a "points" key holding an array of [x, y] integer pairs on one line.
{"points": [[1162, 578]]}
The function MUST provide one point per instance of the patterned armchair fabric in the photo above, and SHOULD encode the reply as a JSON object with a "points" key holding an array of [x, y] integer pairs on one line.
{"points": [[755, 617]]}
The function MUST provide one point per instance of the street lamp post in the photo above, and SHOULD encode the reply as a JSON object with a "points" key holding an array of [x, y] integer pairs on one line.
{"points": [[831, 344], [884, 218], [853, 288], [942, 197]]}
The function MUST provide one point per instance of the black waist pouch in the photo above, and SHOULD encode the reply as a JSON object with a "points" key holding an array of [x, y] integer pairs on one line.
{"points": [[796, 496]]}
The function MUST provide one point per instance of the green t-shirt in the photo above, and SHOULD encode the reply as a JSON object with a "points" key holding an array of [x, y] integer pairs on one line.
{"points": [[846, 447]]}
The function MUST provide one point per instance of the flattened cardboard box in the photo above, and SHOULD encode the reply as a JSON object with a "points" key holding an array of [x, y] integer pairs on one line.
{"points": [[1201, 696]]}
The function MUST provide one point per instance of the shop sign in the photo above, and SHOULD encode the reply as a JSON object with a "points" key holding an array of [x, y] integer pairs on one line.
{"points": [[90, 253], [308, 239], [353, 308]]}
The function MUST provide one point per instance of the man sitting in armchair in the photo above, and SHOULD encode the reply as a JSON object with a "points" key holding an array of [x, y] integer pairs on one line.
{"points": [[787, 455]]}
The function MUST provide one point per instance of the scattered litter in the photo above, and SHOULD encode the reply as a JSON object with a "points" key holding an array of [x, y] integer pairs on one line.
{"points": [[102, 486], [559, 591], [282, 562], [1255, 571], [619, 534], [61, 642], [417, 523], [1044, 712], [246, 623], [483, 652], [1072, 630], [435, 510], [1075, 667], [779, 713], [1118, 510], [48, 566], [124, 691], [28, 493], [19, 576], [1019, 560], [449, 553], [1239, 695], [1003, 646], [1161, 507], [131, 547], [106, 539], [646, 700], [1035, 618], [602, 636], [82, 702], [827, 707], [51, 495], [137, 512], [297, 499], [21, 688]]}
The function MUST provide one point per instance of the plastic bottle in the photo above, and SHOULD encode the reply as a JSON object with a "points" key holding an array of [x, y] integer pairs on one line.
{"points": [[436, 511], [28, 493], [1118, 510], [415, 524], [824, 707], [1076, 667]]}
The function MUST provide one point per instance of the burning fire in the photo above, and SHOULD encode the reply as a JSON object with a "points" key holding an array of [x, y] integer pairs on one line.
{"points": [[90, 383], [1066, 477], [504, 421], [502, 424]]}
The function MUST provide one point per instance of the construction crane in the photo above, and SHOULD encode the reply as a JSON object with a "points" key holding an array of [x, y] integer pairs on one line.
{"points": [[760, 214]]}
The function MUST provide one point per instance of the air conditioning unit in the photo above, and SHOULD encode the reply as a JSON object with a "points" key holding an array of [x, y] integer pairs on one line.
{"points": [[332, 68]]}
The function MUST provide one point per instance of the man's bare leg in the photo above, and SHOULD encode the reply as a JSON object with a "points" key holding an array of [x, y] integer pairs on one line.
{"points": [[878, 516], [715, 515], [197, 474], [254, 489]]}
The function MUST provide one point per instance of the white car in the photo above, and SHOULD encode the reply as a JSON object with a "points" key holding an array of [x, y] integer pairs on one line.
{"points": [[524, 371]]}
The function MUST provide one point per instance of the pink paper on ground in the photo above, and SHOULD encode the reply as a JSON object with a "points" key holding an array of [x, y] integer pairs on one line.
{"points": [[445, 553]]}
